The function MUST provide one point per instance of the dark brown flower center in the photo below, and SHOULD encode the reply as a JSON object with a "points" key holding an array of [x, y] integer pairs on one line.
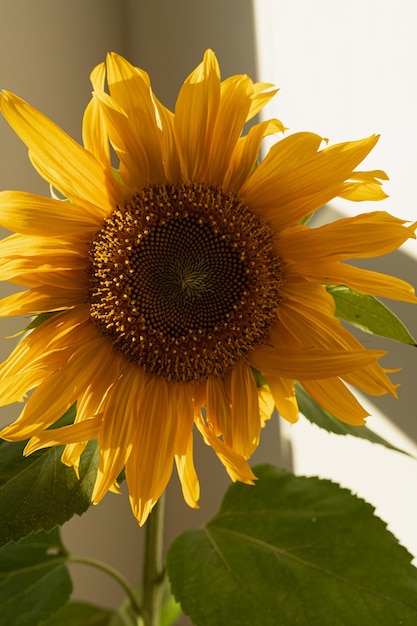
{"points": [[184, 281]]}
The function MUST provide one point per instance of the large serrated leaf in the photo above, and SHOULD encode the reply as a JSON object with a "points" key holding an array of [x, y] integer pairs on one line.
{"points": [[34, 581], [369, 314], [293, 551], [39, 492], [322, 418]]}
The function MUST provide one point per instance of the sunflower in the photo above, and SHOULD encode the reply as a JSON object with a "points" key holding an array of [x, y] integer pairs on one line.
{"points": [[183, 288]]}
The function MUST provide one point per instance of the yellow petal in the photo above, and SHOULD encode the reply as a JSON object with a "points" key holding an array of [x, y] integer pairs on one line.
{"points": [[307, 319], [30, 214], [14, 388], [218, 408], [37, 349], [130, 88], [335, 398], [34, 261], [118, 429], [236, 466], [149, 466], [184, 408], [363, 236], [234, 104], [71, 456], [262, 94], [41, 299], [284, 157], [296, 363], [246, 152], [283, 392], [360, 280], [195, 117], [88, 406], [244, 410], [169, 151], [295, 180], [61, 389], [373, 380], [71, 169], [95, 137], [134, 161], [83, 431], [266, 405], [188, 476], [364, 186]]}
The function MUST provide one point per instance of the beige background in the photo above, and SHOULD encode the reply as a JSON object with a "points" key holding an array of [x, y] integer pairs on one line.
{"points": [[47, 50]]}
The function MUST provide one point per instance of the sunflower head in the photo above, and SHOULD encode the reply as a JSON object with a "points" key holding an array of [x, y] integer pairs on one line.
{"points": [[184, 281], [185, 289]]}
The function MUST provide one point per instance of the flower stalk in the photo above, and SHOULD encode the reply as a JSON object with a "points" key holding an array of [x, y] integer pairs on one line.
{"points": [[154, 575]]}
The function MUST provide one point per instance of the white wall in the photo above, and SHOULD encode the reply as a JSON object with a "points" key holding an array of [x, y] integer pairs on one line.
{"points": [[347, 70]]}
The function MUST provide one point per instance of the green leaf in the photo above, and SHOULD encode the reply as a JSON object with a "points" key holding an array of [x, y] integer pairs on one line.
{"points": [[116, 174], [293, 551], [171, 612], [34, 323], [369, 314], [319, 416], [81, 614], [38, 320], [34, 581], [39, 492]]}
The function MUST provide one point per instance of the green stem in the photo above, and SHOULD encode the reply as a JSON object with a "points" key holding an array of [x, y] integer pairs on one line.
{"points": [[153, 567], [117, 576]]}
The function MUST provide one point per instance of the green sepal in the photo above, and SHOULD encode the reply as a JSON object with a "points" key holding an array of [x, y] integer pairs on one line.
{"points": [[34, 580], [34, 323], [322, 418], [117, 175], [259, 379], [39, 319], [307, 218], [293, 551], [39, 492], [369, 314]]}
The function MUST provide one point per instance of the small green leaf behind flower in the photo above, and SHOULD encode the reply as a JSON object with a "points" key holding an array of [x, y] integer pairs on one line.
{"points": [[369, 314], [293, 551], [34, 323], [319, 416]]}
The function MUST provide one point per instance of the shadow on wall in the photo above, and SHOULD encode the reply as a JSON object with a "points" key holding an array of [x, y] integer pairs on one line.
{"points": [[168, 39]]}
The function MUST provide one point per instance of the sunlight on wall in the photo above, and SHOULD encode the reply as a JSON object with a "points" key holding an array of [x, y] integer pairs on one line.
{"points": [[346, 75]]}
